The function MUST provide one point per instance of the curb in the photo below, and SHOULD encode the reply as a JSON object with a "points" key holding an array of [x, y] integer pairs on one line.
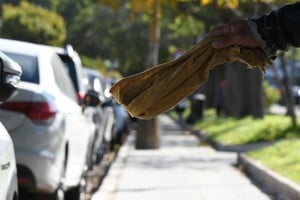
{"points": [[111, 181], [231, 148], [270, 181]]}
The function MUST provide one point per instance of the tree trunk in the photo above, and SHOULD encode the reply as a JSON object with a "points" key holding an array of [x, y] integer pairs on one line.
{"points": [[290, 104], [1, 16], [147, 136], [147, 131], [243, 91]]}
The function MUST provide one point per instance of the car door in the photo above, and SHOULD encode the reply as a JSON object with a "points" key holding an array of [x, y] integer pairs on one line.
{"points": [[10, 73], [8, 172], [76, 126]]}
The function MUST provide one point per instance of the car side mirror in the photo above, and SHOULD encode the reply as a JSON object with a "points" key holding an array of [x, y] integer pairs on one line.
{"points": [[10, 73], [91, 98]]}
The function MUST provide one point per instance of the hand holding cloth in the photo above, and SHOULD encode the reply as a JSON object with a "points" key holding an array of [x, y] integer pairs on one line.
{"points": [[149, 93]]}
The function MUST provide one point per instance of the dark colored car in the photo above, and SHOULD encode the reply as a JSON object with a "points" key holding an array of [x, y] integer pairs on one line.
{"points": [[121, 125], [103, 117]]}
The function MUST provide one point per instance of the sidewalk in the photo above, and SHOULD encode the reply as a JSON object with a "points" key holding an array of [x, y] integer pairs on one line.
{"points": [[180, 169]]}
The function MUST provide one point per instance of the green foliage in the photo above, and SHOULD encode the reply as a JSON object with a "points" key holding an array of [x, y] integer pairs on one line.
{"points": [[112, 36], [32, 23], [232, 131], [186, 113], [94, 63], [271, 94], [47, 4], [186, 26]]}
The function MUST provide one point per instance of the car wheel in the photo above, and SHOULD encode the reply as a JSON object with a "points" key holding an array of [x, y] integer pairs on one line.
{"points": [[57, 195], [79, 192]]}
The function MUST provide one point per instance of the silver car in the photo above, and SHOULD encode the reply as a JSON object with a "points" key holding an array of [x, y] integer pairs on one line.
{"points": [[50, 133], [103, 117], [10, 73]]}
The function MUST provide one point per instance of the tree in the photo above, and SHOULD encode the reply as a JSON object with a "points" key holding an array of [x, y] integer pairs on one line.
{"points": [[32, 23], [112, 36], [1, 15], [237, 102], [147, 135]]}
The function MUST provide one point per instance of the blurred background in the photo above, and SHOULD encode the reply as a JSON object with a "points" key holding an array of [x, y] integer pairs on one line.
{"points": [[120, 38], [113, 39]]}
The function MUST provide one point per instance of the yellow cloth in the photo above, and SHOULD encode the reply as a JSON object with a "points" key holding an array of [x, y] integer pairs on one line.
{"points": [[147, 94]]}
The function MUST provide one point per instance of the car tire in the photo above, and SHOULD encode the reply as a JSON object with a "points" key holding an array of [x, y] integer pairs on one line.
{"points": [[78, 192], [15, 196], [59, 194]]}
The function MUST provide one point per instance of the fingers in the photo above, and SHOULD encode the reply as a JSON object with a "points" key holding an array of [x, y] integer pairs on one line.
{"points": [[235, 33], [222, 43], [222, 31]]}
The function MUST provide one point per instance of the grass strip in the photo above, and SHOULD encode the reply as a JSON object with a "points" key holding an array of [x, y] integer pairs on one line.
{"points": [[238, 131], [282, 157]]}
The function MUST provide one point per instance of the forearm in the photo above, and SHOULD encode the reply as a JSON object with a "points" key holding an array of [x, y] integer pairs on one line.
{"points": [[279, 29]]}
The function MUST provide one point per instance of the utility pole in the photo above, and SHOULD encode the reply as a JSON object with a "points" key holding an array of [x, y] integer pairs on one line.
{"points": [[148, 136]]}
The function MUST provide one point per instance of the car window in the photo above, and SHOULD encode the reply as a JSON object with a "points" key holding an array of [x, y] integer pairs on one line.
{"points": [[29, 65], [70, 67], [95, 83], [62, 79]]}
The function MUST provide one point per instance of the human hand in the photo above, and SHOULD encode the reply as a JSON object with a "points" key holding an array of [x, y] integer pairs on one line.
{"points": [[234, 33]]}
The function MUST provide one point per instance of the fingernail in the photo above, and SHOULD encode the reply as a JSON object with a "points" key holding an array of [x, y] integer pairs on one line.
{"points": [[214, 44]]}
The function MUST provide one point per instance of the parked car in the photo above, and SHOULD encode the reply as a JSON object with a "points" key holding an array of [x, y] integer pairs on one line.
{"points": [[103, 116], [8, 170], [9, 78], [296, 94], [49, 131], [121, 124], [73, 65]]}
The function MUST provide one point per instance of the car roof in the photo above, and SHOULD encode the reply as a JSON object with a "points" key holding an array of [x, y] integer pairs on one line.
{"points": [[92, 71], [70, 52], [26, 48]]}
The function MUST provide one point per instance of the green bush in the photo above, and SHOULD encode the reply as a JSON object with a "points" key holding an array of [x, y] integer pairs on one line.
{"points": [[271, 94], [33, 23]]}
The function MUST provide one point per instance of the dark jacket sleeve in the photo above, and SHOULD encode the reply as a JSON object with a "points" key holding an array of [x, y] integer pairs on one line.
{"points": [[280, 28]]}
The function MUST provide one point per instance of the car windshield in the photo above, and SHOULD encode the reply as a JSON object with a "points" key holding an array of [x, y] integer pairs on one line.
{"points": [[29, 66]]}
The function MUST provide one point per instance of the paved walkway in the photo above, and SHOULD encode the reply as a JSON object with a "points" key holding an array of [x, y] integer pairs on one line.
{"points": [[179, 170]]}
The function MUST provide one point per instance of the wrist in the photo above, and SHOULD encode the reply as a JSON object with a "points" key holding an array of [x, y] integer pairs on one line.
{"points": [[270, 51]]}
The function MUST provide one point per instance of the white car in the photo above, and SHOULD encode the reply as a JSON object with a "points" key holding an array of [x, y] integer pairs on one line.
{"points": [[8, 170], [49, 131], [73, 66], [9, 78]]}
